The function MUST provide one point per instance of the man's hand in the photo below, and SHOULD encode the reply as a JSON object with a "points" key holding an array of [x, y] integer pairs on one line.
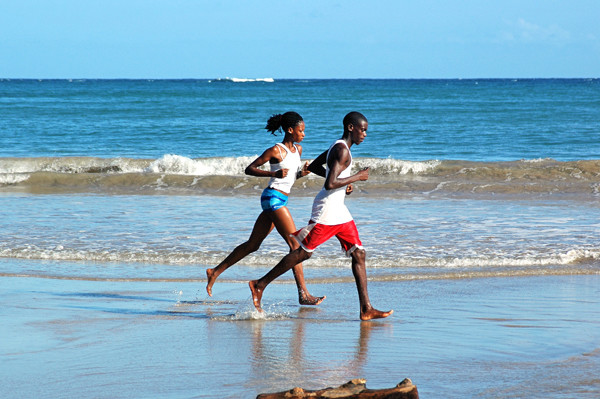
{"points": [[363, 174]]}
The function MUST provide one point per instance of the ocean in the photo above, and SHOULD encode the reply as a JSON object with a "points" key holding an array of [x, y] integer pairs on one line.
{"points": [[474, 184]]}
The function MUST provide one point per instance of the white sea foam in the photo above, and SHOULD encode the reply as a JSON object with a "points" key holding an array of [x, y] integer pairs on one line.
{"points": [[176, 164], [537, 160], [60, 252], [570, 257], [180, 165], [70, 165], [395, 166], [13, 178]]}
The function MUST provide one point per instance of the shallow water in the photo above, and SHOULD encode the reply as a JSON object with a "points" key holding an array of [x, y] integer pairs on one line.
{"points": [[487, 338], [164, 237]]}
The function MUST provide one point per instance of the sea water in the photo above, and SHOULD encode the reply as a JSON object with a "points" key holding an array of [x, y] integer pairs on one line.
{"points": [[486, 176], [475, 185], [411, 120]]}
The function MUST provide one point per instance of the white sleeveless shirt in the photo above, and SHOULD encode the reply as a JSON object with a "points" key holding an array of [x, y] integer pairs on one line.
{"points": [[329, 207], [291, 162]]}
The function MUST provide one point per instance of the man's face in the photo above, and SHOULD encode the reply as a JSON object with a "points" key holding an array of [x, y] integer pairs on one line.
{"points": [[358, 131]]}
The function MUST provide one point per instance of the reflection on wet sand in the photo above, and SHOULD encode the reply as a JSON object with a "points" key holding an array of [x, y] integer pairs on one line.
{"points": [[291, 352]]}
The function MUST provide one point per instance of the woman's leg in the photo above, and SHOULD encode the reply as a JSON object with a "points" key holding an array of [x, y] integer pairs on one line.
{"points": [[262, 227], [283, 221]]}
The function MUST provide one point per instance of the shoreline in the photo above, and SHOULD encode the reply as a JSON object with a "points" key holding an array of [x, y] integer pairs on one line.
{"points": [[588, 270]]}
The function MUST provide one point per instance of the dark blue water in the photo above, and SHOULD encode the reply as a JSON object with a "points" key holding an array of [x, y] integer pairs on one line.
{"points": [[477, 120]]}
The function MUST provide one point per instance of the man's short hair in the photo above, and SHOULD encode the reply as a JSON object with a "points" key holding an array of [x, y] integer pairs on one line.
{"points": [[353, 118]]}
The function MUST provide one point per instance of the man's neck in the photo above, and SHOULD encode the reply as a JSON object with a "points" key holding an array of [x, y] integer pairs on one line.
{"points": [[348, 140]]}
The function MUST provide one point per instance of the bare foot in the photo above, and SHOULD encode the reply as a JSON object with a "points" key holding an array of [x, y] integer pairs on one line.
{"points": [[310, 300], [210, 274], [373, 313], [256, 294]]}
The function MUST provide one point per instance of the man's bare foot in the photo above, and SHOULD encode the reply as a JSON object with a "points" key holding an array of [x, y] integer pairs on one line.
{"points": [[210, 274], [256, 294], [373, 313], [310, 300]]}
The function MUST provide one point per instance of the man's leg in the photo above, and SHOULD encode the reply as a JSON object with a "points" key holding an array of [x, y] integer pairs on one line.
{"points": [[367, 311], [257, 287], [282, 219]]}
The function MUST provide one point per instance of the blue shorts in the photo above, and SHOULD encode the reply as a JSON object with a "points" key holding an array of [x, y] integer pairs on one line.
{"points": [[271, 199]]}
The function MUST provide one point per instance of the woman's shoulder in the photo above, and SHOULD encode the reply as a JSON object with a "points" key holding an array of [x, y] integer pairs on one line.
{"points": [[274, 153]]}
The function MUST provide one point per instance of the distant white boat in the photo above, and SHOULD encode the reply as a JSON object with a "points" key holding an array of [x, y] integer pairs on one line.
{"points": [[242, 80]]}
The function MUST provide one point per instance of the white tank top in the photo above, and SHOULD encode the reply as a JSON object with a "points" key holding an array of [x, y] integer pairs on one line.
{"points": [[329, 207], [291, 162]]}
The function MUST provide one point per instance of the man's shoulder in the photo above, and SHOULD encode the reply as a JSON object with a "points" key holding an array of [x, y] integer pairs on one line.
{"points": [[339, 151], [339, 145]]}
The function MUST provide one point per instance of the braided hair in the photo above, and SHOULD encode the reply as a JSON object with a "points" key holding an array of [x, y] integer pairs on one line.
{"points": [[279, 122]]}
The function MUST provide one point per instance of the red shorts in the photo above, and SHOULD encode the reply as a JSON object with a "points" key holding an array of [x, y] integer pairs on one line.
{"points": [[315, 234]]}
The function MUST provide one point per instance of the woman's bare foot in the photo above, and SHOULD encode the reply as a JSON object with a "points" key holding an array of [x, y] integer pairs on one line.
{"points": [[210, 274], [309, 300], [256, 294], [373, 313]]}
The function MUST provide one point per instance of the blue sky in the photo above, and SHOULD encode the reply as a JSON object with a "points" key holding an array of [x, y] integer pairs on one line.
{"points": [[299, 39]]}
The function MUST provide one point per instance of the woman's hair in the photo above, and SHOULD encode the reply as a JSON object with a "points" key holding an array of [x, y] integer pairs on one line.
{"points": [[283, 121]]}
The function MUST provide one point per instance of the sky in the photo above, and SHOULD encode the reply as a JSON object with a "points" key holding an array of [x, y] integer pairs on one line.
{"points": [[299, 39]]}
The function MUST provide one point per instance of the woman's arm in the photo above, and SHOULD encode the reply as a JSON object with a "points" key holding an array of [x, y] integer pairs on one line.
{"points": [[303, 171], [270, 154]]}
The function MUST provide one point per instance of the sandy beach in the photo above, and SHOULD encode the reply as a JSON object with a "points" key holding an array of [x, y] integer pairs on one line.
{"points": [[491, 337]]}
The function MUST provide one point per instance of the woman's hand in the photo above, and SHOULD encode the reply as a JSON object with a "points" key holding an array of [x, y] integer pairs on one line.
{"points": [[304, 171], [281, 173]]}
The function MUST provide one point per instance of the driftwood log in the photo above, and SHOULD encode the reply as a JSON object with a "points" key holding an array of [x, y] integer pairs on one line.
{"points": [[355, 389]]}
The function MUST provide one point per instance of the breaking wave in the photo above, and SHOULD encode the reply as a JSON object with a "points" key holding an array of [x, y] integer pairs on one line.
{"points": [[177, 174], [570, 257], [183, 266]]}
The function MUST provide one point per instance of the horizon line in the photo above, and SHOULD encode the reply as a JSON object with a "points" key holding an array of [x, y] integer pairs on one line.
{"points": [[262, 80]]}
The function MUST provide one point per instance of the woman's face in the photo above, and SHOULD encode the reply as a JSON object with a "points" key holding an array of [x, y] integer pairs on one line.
{"points": [[298, 132]]}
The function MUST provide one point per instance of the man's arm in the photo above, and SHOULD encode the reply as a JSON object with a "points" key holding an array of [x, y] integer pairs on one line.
{"points": [[339, 159], [317, 167]]}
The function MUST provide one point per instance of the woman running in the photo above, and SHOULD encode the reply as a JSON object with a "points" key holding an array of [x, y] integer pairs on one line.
{"points": [[285, 168]]}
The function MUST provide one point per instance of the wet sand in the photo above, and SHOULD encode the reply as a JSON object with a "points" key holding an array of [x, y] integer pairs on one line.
{"points": [[487, 338]]}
